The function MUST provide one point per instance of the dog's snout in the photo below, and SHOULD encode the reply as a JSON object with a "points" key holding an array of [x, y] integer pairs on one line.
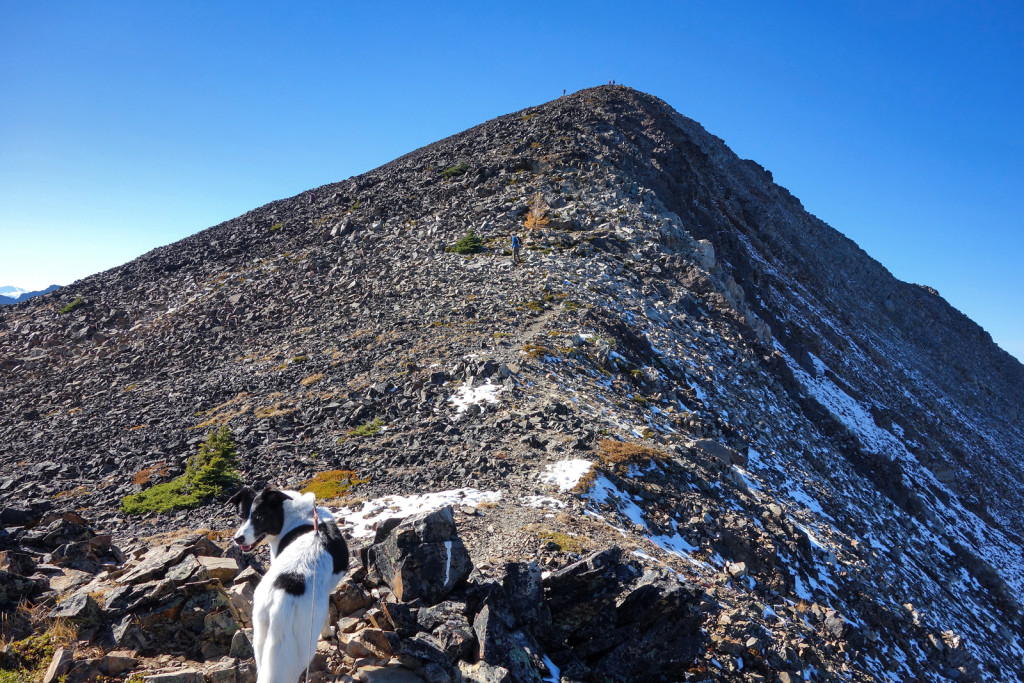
{"points": [[240, 539]]}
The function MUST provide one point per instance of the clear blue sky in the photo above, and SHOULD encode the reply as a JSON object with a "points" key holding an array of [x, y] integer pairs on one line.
{"points": [[128, 125]]}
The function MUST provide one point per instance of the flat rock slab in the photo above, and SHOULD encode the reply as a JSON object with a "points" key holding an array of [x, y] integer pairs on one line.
{"points": [[482, 672], [223, 568], [60, 664], [155, 563], [183, 676], [387, 674], [79, 608], [118, 662], [70, 580]]}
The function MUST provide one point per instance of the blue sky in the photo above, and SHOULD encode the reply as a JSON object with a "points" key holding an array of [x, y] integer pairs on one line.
{"points": [[128, 125]]}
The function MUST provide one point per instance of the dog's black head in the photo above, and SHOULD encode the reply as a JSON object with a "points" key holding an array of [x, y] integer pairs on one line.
{"points": [[266, 517]]}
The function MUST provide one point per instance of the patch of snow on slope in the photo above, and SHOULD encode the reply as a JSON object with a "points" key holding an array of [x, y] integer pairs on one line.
{"points": [[847, 409], [365, 519], [542, 502], [973, 532], [605, 492], [468, 395], [565, 474]]}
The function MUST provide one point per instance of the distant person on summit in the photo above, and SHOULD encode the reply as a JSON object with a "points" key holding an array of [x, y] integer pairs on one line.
{"points": [[516, 246]]}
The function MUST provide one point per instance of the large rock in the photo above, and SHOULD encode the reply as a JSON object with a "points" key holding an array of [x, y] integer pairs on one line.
{"points": [[59, 665], [525, 591], [224, 569], [425, 649], [726, 455], [421, 557], [241, 644], [15, 588], [118, 662], [386, 674], [482, 672], [15, 516], [585, 593], [240, 597], [705, 254], [17, 562], [499, 647], [369, 642], [80, 608], [612, 620], [155, 563]]}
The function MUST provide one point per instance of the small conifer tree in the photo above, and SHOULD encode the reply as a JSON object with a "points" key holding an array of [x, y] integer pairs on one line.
{"points": [[537, 218], [208, 473], [470, 244]]}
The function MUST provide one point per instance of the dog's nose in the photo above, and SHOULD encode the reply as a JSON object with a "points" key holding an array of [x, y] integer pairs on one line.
{"points": [[240, 540]]}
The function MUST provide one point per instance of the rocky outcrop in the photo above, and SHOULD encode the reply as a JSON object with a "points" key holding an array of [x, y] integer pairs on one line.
{"points": [[118, 611], [603, 616]]}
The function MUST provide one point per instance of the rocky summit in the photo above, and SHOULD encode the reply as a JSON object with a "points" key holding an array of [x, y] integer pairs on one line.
{"points": [[695, 435]]}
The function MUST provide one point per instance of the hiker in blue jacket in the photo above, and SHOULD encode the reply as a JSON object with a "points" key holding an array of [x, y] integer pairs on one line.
{"points": [[516, 246]]}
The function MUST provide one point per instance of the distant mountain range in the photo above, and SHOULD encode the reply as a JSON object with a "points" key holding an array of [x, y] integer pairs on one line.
{"points": [[13, 295]]}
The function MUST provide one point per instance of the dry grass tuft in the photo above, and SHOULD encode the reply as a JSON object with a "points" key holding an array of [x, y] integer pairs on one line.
{"points": [[617, 457], [145, 476], [225, 412], [312, 379], [535, 351], [276, 410], [566, 543], [72, 493]]}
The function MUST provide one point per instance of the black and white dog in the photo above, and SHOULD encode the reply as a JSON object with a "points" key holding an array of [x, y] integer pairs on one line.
{"points": [[291, 601]]}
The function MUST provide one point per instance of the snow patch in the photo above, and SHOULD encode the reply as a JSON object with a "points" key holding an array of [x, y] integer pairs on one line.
{"points": [[604, 491], [565, 474], [468, 395], [365, 519], [448, 566], [542, 502]]}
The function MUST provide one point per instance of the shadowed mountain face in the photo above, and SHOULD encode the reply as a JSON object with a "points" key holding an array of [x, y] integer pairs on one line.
{"points": [[851, 440]]}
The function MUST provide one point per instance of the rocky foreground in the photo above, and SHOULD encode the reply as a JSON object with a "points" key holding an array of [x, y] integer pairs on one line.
{"points": [[809, 469], [415, 608]]}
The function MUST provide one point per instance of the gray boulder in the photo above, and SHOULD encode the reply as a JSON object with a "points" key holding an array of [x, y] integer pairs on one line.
{"points": [[421, 557]]}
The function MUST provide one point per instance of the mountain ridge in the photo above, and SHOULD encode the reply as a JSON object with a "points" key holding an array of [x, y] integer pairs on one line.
{"points": [[678, 298], [22, 295]]}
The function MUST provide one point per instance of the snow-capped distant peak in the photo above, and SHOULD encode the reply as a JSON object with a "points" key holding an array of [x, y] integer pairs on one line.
{"points": [[10, 294]]}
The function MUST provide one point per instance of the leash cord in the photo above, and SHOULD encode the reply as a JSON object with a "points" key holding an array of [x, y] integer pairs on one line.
{"points": [[312, 604]]}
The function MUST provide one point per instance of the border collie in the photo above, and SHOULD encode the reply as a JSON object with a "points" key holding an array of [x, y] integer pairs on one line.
{"points": [[284, 612]]}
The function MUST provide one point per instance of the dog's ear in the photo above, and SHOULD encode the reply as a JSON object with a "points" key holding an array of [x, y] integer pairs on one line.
{"points": [[243, 500], [270, 495]]}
